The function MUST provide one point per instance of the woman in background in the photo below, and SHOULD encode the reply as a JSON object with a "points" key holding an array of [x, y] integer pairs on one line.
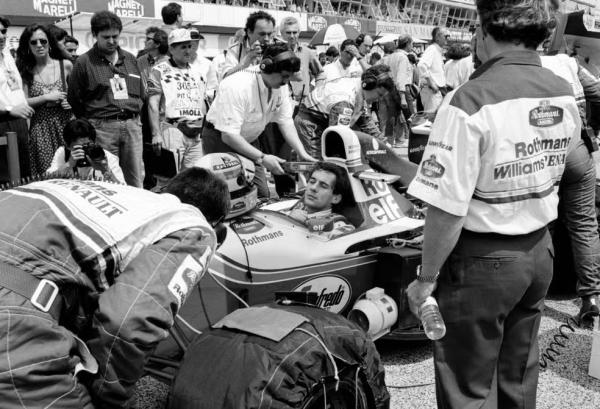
{"points": [[44, 72]]}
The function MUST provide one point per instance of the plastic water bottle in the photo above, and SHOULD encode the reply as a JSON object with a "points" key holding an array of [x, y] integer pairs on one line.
{"points": [[431, 319]]}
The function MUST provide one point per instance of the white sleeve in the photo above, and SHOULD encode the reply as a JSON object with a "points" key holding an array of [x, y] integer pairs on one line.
{"points": [[451, 163], [115, 168], [228, 110], [285, 111], [425, 63], [58, 161]]}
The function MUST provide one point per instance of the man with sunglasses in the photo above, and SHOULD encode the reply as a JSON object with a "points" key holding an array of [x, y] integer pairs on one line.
{"points": [[14, 109], [431, 70], [92, 275]]}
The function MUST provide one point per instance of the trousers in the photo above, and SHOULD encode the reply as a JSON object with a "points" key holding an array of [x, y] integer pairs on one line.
{"points": [[38, 359], [124, 140], [576, 209], [491, 294]]}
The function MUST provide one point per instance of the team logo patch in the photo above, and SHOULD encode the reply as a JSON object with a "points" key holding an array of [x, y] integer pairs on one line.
{"points": [[431, 168], [545, 115], [187, 276], [333, 292]]}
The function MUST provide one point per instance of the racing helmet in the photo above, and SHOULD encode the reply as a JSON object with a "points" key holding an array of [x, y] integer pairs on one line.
{"points": [[238, 172]]}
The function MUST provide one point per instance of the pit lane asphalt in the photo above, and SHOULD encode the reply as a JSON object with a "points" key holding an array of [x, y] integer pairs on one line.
{"points": [[409, 369]]}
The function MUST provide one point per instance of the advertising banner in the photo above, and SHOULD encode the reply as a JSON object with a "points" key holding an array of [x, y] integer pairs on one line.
{"points": [[316, 22], [207, 14], [62, 8]]}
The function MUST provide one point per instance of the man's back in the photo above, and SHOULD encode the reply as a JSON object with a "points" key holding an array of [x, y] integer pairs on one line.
{"points": [[68, 226]]}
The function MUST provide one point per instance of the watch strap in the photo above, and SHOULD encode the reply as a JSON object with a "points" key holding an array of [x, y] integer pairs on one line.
{"points": [[426, 278]]}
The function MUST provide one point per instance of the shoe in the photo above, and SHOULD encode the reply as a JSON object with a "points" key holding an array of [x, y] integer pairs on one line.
{"points": [[589, 310]]}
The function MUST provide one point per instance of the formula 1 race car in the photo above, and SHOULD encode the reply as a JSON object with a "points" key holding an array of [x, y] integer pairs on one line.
{"points": [[267, 254]]}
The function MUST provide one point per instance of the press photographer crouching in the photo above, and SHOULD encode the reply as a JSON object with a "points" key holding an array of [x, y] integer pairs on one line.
{"points": [[82, 157]]}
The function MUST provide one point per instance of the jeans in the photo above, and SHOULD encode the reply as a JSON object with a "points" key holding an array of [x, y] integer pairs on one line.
{"points": [[491, 294], [123, 139], [577, 211]]}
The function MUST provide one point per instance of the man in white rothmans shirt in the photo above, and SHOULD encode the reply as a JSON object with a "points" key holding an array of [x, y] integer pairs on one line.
{"points": [[431, 70]]}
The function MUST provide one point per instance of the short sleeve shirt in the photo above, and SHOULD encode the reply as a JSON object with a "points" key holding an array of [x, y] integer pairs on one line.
{"points": [[495, 153], [329, 93], [11, 86], [182, 90], [242, 105], [335, 70]]}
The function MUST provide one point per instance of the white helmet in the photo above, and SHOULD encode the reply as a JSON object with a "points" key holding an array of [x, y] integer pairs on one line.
{"points": [[238, 172]]}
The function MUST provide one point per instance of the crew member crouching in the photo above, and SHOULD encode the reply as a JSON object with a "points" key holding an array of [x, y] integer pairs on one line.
{"points": [[341, 101], [245, 103]]}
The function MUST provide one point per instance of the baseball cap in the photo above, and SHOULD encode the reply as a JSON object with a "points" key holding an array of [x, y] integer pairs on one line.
{"points": [[179, 35]]}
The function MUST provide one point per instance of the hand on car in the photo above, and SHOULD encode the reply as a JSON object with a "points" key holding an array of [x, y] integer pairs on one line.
{"points": [[417, 292], [273, 163], [306, 157]]}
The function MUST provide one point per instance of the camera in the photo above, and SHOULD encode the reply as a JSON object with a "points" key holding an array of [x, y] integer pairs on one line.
{"points": [[92, 151]]}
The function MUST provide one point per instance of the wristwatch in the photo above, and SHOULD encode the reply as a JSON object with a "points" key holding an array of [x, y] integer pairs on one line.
{"points": [[260, 160], [426, 279]]}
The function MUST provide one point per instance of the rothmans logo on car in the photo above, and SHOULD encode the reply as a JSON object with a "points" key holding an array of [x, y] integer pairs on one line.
{"points": [[431, 168], [545, 115], [333, 292]]}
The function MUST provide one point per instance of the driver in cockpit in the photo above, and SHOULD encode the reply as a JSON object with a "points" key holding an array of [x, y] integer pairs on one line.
{"points": [[327, 191]]}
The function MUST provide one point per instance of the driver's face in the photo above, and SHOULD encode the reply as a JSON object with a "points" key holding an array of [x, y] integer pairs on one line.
{"points": [[319, 194]]}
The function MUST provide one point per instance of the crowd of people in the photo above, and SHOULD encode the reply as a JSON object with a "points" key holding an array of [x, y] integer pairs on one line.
{"points": [[141, 120], [156, 111]]}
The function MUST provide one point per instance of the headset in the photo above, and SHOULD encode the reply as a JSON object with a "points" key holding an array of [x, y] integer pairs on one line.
{"points": [[267, 64]]}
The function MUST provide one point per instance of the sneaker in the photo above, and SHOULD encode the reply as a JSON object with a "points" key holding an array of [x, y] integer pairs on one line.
{"points": [[589, 310]]}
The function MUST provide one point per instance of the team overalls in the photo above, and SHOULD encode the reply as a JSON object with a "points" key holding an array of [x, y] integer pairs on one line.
{"points": [[119, 263]]}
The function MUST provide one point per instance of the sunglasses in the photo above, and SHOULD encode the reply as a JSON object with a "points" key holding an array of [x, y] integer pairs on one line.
{"points": [[4, 31], [42, 41], [149, 39]]}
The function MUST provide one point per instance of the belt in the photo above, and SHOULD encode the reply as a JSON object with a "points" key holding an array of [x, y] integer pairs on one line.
{"points": [[314, 115], [42, 293], [121, 116]]}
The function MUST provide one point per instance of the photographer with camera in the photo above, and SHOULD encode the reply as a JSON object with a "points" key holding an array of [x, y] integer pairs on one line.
{"points": [[82, 157]]}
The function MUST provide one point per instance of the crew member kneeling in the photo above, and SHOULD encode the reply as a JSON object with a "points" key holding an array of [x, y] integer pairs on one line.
{"points": [[327, 190], [245, 103], [91, 277]]}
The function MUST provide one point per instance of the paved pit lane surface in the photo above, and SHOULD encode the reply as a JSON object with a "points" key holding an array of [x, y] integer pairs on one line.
{"points": [[409, 370]]}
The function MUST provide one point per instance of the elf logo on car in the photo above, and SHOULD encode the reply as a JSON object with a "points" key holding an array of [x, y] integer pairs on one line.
{"points": [[380, 204], [333, 292]]}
